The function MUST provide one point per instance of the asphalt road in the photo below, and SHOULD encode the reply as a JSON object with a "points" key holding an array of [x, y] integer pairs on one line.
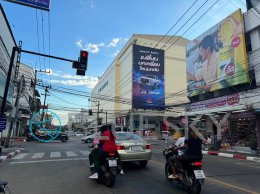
{"points": [[62, 168]]}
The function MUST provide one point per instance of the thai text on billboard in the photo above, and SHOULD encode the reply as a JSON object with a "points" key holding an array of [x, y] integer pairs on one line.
{"points": [[217, 59], [148, 78]]}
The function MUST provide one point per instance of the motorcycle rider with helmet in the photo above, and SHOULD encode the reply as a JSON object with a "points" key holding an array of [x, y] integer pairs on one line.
{"points": [[192, 152]]}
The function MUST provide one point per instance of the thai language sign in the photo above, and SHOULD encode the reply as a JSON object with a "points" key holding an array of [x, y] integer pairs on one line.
{"points": [[148, 78], [40, 4], [230, 100], [217, 59]]}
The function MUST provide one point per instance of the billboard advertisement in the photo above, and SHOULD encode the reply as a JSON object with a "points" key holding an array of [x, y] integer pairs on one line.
{"points": [[217, 59], [148, 78], [40, 4]]}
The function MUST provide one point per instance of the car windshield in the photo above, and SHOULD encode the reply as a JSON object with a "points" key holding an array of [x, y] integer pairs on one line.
{"points": [[128, 137], [150, 76]]}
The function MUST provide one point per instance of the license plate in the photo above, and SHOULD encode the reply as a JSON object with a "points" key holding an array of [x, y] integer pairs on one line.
{"points": [[112, 163], [136, 148], [199, 174]]}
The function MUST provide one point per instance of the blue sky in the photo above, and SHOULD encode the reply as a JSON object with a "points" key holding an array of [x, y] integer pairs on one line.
{"points": [[101, 27]]}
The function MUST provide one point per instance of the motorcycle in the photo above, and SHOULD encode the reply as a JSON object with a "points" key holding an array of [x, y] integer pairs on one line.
{"points": [[108, 170], [192, 175]]}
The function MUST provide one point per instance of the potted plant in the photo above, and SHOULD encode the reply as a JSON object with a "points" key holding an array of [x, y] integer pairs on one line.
{"points": [[253, 145]]}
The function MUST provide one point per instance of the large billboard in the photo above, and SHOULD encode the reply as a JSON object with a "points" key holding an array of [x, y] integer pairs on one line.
{"points": [[148, 78], [40, 4], [217, 59]]}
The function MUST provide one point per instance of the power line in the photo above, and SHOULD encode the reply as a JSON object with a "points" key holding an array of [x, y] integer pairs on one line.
{"points": [[176, 23]]}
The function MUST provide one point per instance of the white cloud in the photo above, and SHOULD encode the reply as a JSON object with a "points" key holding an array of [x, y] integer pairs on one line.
{"points": [[95, 47], [115, 53], [92, 6], [114, 42], [71, 80], [79, 43]]}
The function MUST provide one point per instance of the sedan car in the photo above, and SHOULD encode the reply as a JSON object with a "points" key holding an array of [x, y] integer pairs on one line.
{"points": [[89, 138], [132, 147]]}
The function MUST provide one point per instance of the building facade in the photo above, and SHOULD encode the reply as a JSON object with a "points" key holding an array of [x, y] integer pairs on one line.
{"points": [[149, 69]]}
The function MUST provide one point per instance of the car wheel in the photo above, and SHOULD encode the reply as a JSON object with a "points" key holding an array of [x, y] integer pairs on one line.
{"points": [[143, 164], [64, 139], [88, 140]]}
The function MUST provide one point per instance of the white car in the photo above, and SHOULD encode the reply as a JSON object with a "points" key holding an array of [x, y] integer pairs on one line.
{"points": [[89, 138], [150, 80], [78, 134]]}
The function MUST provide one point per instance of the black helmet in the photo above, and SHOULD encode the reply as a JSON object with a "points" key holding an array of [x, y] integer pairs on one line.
{"points": [[103, 128]]}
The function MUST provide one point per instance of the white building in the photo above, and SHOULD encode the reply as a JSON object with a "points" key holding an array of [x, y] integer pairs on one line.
{"points": [[7, 42], [114, 90]]}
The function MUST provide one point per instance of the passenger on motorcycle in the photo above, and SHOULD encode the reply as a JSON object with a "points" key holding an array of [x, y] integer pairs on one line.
{"points": [[192, 152]]}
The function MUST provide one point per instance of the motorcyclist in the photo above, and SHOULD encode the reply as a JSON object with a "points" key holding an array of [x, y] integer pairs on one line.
{"points": [[106, 145], [193, 152]]}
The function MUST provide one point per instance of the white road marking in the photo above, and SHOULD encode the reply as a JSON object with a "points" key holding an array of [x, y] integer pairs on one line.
{"points": [[71, 154], [38, 155], [20, 156], [55, 155], [42, 161], [85, 153]]}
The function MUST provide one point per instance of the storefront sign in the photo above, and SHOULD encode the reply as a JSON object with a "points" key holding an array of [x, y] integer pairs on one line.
{"points": [[39, 4], [148, 78], [224, 101], [217, 59]]}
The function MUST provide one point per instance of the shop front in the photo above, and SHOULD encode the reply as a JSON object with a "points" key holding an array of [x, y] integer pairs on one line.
{"points": [[242, 128]]}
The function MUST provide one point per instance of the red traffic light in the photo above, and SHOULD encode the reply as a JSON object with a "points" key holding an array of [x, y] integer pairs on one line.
{"points": [[84, 54]]}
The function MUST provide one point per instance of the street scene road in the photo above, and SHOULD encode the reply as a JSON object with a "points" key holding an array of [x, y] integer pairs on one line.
{"points": [[63, 168]]}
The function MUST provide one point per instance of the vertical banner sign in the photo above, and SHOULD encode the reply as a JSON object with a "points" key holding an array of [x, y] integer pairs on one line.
{"points": [[39, 4], [217, 59], [148, 78]]}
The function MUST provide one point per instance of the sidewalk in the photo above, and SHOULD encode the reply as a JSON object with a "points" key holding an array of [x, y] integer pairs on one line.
{"points": [[233, 154], [12, 151], [242, 155]]}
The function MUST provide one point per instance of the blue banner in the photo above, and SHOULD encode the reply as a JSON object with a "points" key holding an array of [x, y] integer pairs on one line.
{"points": [[40, 4], [148, 78]]}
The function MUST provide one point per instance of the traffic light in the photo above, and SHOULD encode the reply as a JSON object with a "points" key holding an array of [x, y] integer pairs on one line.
{"points": [[90, 112], [83, 59], [81, 72]]}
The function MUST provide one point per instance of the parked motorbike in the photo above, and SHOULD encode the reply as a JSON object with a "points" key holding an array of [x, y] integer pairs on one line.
{"points": [[108, 169], [192, 175]]}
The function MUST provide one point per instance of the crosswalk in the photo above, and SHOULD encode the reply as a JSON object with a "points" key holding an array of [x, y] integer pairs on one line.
{"points": [[51, 155]]}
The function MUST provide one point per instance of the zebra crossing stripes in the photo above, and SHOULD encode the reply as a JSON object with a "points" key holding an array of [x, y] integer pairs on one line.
{"points": [[20, 156], [55, 155], [38, 155], [42, 155], [85, 153], [71, 154]]}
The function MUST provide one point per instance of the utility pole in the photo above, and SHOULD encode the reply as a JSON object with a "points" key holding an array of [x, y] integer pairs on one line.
{"points": [[106, 117], [15, 111], [45, 96], [97, 113]]}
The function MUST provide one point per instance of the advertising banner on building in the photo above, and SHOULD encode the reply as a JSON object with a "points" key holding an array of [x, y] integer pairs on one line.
{"points": [[148, 78], [217, 59], [230, 100], [40, 4]]}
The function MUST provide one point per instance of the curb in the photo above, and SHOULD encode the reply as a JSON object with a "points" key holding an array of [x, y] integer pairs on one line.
{"points": [[10, 155], [235, 156]]}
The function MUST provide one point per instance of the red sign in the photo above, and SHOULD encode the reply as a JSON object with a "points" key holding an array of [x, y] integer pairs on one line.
{"points": [[220, 102]]}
